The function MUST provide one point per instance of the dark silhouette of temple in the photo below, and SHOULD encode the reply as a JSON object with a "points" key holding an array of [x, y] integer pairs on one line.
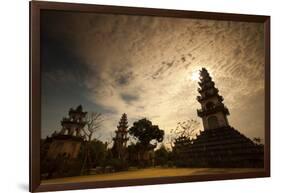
{"points": [[219, 144], [213, 112], [68, 141], [119, 149], [60, 152]]}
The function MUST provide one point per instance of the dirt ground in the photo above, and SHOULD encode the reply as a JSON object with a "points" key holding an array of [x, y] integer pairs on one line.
{"points": [[149, 173]]}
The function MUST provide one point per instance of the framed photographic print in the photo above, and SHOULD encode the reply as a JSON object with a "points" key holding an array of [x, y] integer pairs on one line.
{"points": [[123, 96]]}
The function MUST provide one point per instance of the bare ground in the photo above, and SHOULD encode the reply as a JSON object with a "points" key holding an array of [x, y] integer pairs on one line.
{"points": [[149, 173]]}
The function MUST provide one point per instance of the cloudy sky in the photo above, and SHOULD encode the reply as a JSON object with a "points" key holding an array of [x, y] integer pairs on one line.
{"points": [[147, 66]]}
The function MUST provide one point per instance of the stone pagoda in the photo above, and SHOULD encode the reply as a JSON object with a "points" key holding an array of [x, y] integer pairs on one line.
{"points": [[120, 139], [74, 123], [63, 148], [213, 112], [219, 144]]}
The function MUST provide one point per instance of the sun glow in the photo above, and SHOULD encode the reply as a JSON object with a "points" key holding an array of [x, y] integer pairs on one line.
{"points": [[195, 75]]}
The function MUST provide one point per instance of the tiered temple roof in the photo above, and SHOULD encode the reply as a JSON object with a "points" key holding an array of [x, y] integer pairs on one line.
{"points": [[121, 138], [121, 132], [209, 97], [73, 124]]}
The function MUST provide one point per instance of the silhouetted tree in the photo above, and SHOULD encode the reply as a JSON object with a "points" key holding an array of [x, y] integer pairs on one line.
{"points": [[161, 156], [181, 137], [146, 135], [93, 123], [98, 152], [184, 132], [145, 132]]}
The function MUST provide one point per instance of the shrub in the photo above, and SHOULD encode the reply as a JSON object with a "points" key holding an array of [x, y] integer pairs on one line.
{"points": [[118, 164]]}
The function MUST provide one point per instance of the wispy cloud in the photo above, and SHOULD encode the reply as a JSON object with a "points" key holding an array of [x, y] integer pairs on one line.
{"points": [[143, 65]]}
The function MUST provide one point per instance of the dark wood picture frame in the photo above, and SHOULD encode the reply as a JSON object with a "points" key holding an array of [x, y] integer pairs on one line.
{"points": [[35, 92]]}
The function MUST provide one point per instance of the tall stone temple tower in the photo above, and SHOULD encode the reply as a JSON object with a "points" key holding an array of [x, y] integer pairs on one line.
{"points": [[219, 144], [213, 112], [120, 139]]}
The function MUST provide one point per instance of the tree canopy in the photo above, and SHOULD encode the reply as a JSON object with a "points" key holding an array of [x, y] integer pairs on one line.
{"points": [[144, 131]]}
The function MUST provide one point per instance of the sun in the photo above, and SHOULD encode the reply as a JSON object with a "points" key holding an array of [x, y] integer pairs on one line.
{"points": [[195, 75]]}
